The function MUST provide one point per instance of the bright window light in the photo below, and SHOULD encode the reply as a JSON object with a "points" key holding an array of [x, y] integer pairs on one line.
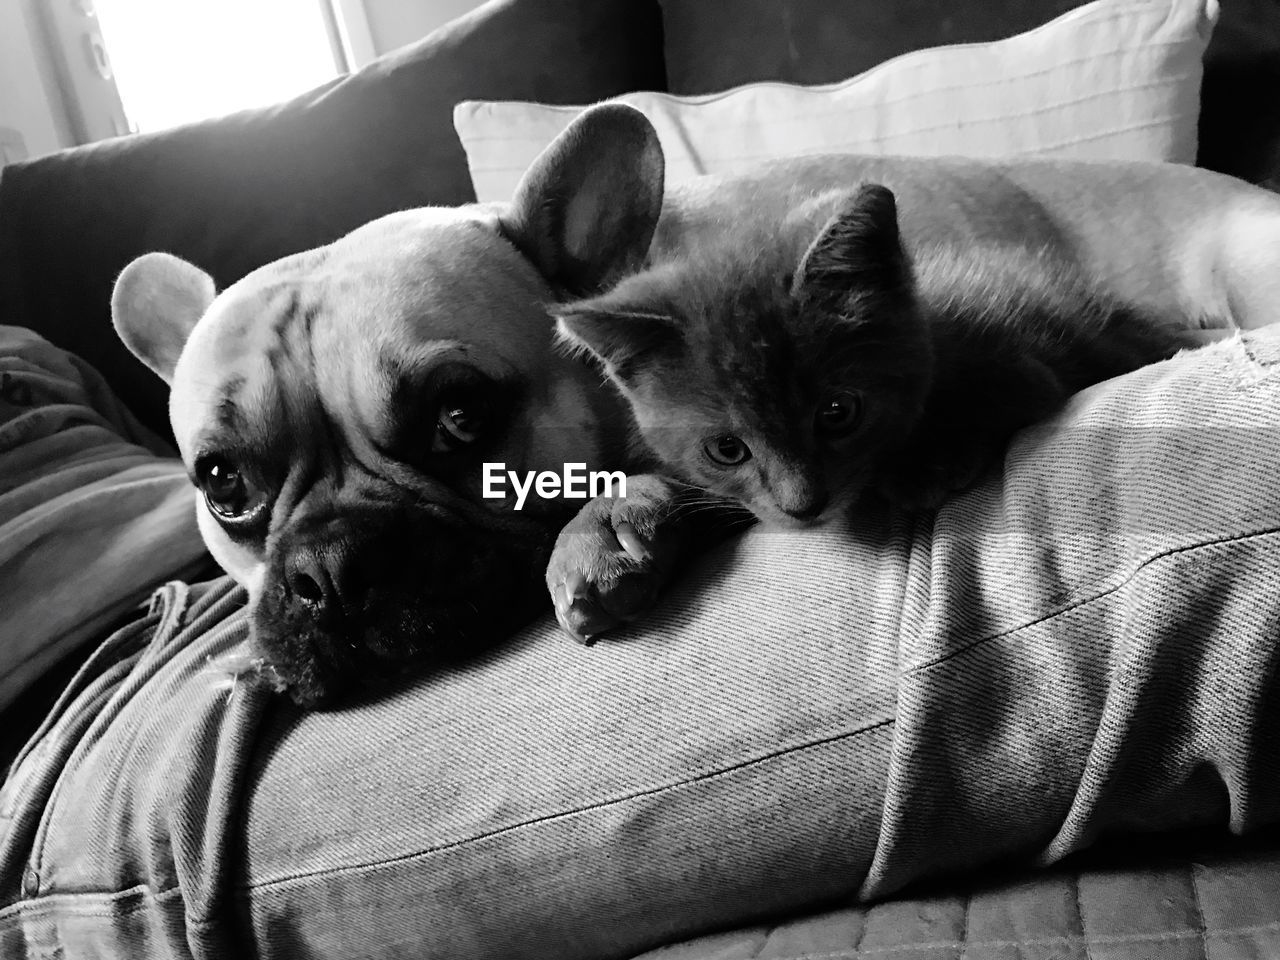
{"points": [[177, 61]]}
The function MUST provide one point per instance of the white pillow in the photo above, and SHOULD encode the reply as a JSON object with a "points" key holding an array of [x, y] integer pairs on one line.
{"points": [[1114, 79]]}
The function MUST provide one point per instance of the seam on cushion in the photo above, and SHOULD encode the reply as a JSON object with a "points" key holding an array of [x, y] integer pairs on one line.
{"points": [[927, 93], [1245, 931], [1100, 940], [879, 105], [998, 118], [1009, 79], [1036, 150], [1043, 148], [1124, 581], [1084, 933], [820, 88], [565, 814], [1201, 926], [91, 904], [145, 895], [1039, 149]]}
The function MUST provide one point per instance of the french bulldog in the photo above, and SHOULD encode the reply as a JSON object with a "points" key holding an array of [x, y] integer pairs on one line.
{"points": [[336, 408]]}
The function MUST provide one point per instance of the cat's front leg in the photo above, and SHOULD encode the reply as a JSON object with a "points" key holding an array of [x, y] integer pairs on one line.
{"points": [[613, 558]]}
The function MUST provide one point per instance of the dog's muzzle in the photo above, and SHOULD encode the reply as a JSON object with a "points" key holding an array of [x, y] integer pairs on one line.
{"points": [[358, 599]]}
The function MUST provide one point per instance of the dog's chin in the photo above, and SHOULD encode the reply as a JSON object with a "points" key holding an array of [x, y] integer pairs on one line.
{"points": [[426, 608], [322, 668]]}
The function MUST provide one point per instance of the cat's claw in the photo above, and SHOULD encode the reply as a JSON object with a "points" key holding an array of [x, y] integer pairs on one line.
{"points": [[613, 558], [585, 613]]}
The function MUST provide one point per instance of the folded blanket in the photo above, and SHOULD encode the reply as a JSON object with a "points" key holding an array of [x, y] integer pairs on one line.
{"points": [[95, 511]]}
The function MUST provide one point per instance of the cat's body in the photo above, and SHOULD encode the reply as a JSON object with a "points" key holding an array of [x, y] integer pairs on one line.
{"points": [[1014, 334], [794, 389]]}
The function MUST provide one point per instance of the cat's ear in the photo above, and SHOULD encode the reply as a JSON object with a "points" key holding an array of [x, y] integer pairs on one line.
{"points": [[857, 253], [619, 337], [585, 211]]}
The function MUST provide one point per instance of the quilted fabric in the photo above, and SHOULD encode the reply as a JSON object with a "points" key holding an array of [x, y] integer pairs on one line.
{"points": [[712, 47], [1224, 906]]}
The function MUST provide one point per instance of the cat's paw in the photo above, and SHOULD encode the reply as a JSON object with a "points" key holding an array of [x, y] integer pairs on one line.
{"points": [[612, 559]]}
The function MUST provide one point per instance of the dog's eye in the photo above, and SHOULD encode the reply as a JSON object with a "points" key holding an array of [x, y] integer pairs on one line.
{"points": [[460, 421], [726, 450], [838, 415], [225, 488]]}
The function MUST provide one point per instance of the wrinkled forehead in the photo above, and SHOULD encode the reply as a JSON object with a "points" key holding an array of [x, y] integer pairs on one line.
{"points": [[431, 274], [402, 293]]}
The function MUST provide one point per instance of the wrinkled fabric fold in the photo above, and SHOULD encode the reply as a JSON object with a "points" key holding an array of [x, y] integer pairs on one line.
{"points": [[95, 511]]}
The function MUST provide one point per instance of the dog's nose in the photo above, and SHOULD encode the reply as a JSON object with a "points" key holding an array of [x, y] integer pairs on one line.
{"points": [[323, 577]]}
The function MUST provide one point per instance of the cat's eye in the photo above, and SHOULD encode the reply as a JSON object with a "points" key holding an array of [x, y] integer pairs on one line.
{"points": [[726, 450], [838, 415], [460, 421], [226, 490]]}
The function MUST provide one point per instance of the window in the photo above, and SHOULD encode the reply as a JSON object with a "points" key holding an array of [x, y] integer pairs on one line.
{"points": [[177, 61]]}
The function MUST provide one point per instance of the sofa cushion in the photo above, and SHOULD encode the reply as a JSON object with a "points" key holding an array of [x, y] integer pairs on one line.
{"points": [[1240, 112], [1116, 79], [712, 47], [235, 193]]}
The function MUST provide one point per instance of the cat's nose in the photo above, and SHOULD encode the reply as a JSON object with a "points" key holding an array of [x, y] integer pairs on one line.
{"points": [[810, 509]]}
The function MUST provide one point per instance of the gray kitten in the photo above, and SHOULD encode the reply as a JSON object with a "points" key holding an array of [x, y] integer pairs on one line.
{"points": [[794, 388]]}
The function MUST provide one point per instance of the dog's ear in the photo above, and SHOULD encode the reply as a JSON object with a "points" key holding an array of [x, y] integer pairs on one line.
{"points": [[586, 210], [857, 254], [618, 336], [154, 306]]}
